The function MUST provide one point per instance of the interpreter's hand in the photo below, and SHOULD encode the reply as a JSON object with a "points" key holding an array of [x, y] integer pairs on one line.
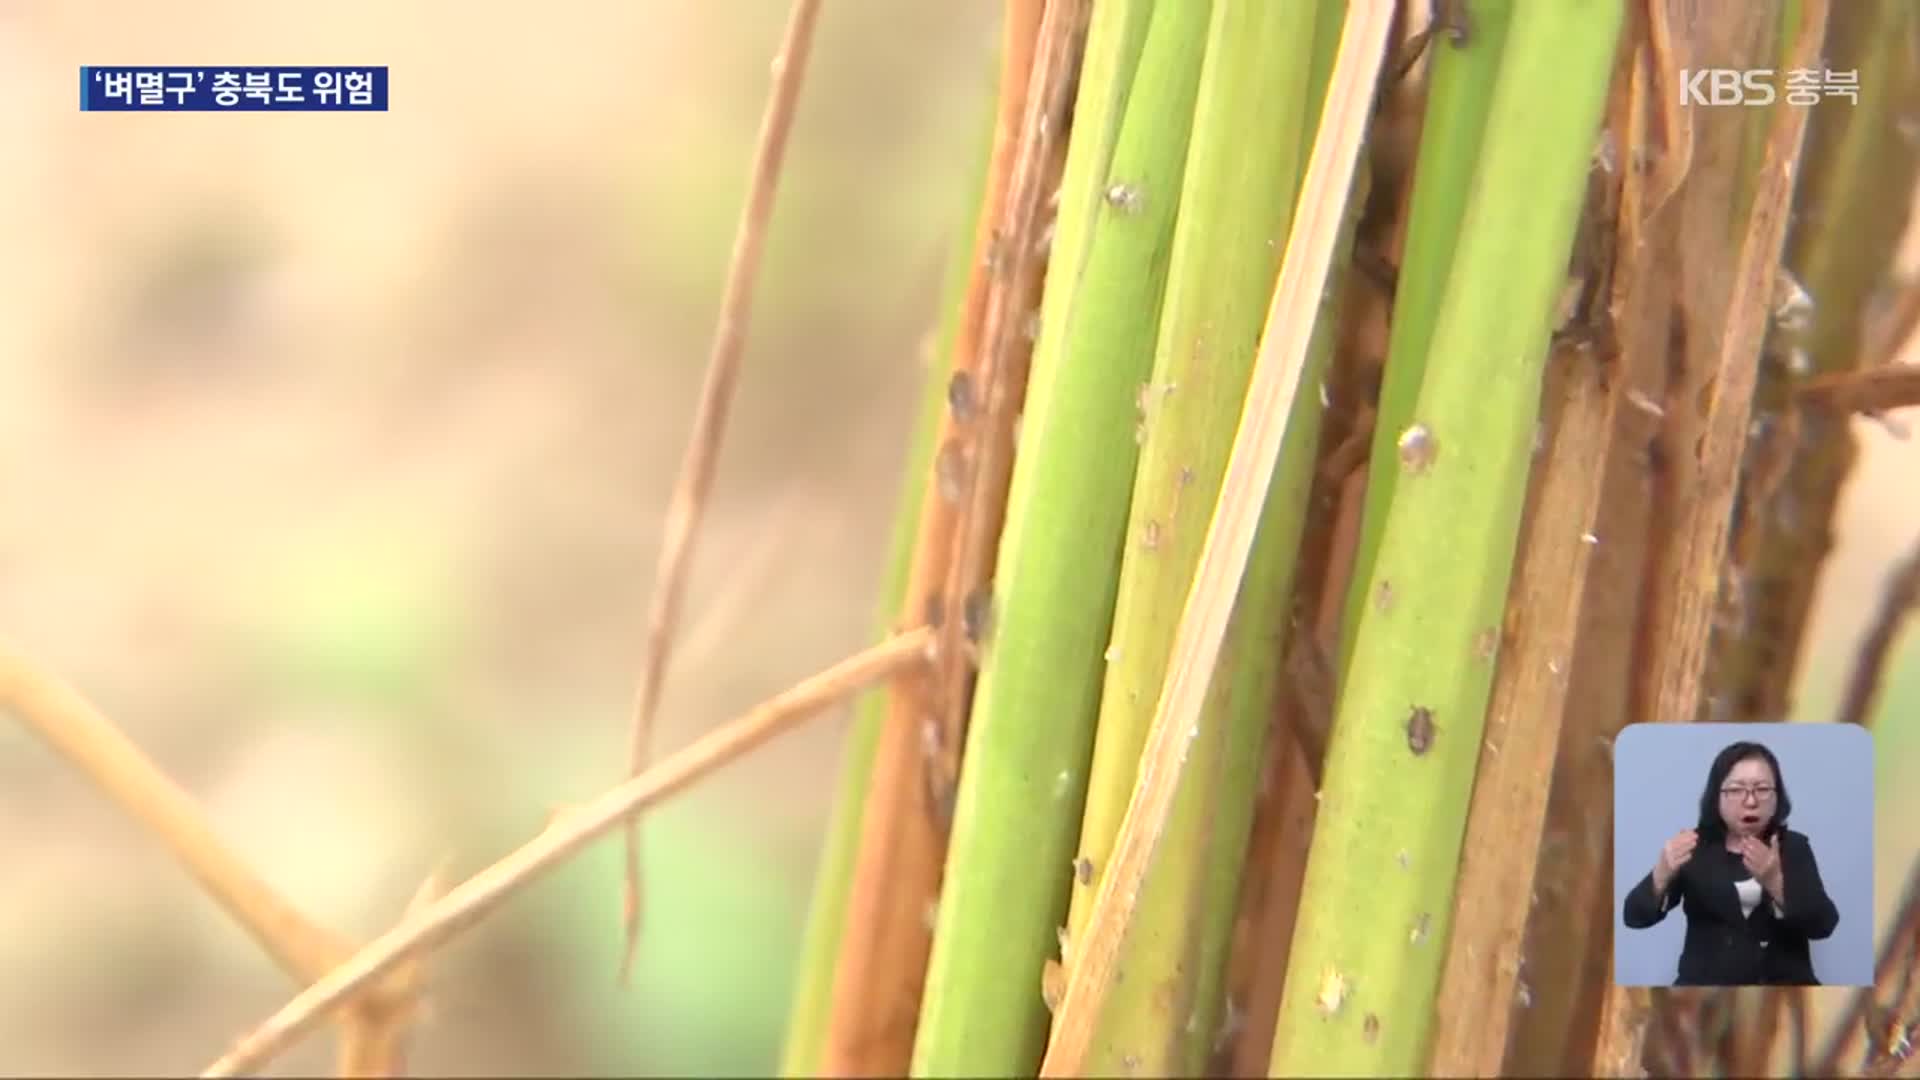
{"points": [[1763, 862], [1675, 854]]}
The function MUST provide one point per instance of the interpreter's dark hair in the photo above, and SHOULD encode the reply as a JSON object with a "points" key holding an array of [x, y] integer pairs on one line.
{"points": [[1713, 831]]}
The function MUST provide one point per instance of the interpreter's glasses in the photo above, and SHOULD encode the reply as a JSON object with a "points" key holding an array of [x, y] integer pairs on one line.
{"points": [[1762, 793]]}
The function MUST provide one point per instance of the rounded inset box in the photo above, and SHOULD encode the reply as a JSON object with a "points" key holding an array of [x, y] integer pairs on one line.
{"points": [[1743, 855]]}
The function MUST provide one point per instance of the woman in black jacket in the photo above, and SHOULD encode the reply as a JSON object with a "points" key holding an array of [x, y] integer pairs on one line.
{"points": [[1749, 885]]}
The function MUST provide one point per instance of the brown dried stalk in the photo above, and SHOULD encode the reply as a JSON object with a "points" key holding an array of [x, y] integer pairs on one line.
{"points": [[882, 963], [1223, 557], [1701, 534], [1007, 352], [570, 831], [1797, 1030], [1524, 723], [1873, 390], [1898, 599], [1551, 1027], [1854, 200], [1689, 579], [1676, 120], [709, 425]]}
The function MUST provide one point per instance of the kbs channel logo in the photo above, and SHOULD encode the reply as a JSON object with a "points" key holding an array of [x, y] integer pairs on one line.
{"points": [[1757, 86]]}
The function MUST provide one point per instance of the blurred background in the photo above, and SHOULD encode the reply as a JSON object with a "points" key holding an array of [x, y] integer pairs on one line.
{"points": [[333, 456]]}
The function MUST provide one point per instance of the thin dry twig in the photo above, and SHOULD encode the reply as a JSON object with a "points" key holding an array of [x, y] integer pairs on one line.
{"points": [[373, 1026], [80, 733], [1870, 390], [376, 1044], [1897, 600], [709, 424], [570, 831], [1223, 557]]}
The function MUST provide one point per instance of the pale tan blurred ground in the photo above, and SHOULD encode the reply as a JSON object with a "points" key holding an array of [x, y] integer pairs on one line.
{"points": [[333, 451]]}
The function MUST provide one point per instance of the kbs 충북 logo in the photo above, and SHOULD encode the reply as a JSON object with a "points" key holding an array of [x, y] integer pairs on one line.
{"points": [[1759, 86]]}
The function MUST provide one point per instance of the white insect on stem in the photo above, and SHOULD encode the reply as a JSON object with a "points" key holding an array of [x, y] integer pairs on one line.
{"points": [[1125, 198]]}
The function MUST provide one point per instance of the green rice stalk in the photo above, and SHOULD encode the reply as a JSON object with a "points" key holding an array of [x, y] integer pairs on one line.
{"points": [[1253, 125], [1019, 801], [1378, 893], [1459, 96]]}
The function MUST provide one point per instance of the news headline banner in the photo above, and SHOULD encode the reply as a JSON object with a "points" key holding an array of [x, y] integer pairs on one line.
{"points": [[233, 89]]}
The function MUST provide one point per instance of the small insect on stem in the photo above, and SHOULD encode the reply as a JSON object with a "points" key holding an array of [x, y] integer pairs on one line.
{"points": [[1452, 18], [1334, 988], [962, 401], [976, 617], [950, 471], [1418, 448], [1125, 198], [1420, 730]]}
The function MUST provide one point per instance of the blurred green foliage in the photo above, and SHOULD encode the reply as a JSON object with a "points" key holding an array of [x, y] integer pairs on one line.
{"points": [[372, 617]]}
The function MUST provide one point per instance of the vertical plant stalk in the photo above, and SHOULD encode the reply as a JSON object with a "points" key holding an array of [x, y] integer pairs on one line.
{"points": [[695, 480], [1460, 94], [1378, 894], [1236, 200], [880, 969], [1274, 385], [827, 911], [1898, 601], [1302, 710], [1482, 977], [1570, 931], [1690, 582], [1007, 338], [1854, 202], [1719, 187], [1019, 799], [1568, 937], [1700, 447], [1251, 681]]}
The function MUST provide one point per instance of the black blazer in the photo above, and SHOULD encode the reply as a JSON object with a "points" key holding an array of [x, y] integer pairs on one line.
{"points": [[1723, 948]]}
